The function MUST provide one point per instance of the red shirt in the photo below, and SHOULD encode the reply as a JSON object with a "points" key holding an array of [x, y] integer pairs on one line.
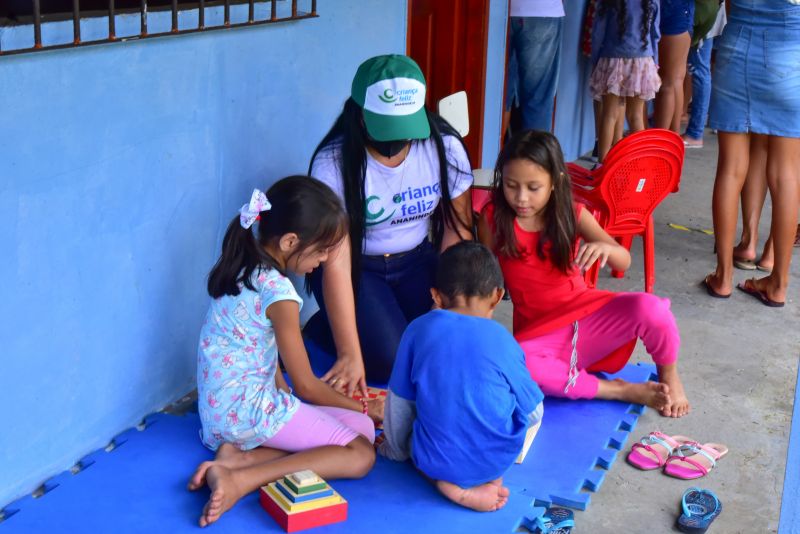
{"points": [[545, 299]]}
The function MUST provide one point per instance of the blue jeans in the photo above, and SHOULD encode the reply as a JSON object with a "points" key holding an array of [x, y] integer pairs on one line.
{"points": [[535, 58], [700, 69], [392, 292]]}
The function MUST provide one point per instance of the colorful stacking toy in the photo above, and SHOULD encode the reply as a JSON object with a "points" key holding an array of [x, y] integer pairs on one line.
{"points": [[302, 500]]}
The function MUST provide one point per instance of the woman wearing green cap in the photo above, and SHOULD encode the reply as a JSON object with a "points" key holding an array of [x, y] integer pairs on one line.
{"points": [[403, 175]]}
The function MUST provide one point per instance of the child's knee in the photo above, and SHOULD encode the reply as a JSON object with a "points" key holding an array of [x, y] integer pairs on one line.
{"points": [[362, 457]]}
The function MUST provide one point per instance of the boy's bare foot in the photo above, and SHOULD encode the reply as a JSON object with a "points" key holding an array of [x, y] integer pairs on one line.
{"points": [[224, 493], [484, 498], [652, 394], [679, 405]]}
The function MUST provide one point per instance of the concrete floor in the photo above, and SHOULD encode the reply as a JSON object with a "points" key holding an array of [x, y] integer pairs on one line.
{"points": [[739, 363]]}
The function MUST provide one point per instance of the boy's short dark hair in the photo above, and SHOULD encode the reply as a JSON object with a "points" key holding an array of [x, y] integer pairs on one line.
{"points": [[468, 269]]}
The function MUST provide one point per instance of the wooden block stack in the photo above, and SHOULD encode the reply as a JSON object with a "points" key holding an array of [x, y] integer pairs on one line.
{"points": [[302, 500]]}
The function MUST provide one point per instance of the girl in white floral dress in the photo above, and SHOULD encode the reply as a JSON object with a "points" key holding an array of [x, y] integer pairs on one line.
{"points": [[259, 429]]}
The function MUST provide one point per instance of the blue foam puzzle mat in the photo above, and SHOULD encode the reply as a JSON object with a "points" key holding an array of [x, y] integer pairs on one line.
{"points": [[140, 485]]}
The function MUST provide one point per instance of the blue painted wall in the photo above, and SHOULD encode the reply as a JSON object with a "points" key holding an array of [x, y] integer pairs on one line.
{"points": [[574, 117], [121, 165], [495, 81], [574, 120]]}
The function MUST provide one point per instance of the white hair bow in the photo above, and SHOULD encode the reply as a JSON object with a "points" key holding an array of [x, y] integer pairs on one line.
{"points": [[249, 213]]}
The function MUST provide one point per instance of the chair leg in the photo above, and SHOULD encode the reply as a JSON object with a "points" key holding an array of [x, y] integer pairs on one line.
{"points": [[649, 245], [625, 241]]}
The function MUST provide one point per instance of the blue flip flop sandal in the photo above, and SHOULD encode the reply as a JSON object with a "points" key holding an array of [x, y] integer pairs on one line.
{"points": [[554, 521], [699, 508]]}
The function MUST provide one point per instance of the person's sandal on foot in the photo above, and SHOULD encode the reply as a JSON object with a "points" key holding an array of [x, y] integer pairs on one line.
{"points": [[711, 291], [749, 287]]}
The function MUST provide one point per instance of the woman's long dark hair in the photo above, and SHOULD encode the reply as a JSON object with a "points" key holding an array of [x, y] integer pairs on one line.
{"points": [[620, 8], [347, 141], [300, 205], [560, 229]]}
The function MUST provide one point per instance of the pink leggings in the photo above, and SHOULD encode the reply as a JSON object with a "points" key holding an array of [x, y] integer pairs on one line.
{"points": [[316, 426], [626, 316]]}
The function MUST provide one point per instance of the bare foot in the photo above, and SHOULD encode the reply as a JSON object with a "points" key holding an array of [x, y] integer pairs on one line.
{"points": [[744, 251], [679, 403], [230, 456], [198, 479], [484, 498], [653, 394], [224, 494], [722, 289]]}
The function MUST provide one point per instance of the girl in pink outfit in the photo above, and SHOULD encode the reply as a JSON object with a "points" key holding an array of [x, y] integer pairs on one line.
{"points": [[567, 329]]}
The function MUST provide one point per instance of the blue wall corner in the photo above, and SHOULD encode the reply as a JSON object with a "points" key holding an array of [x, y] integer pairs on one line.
{"points": [[121, 167], [574, 124], [495, 81]]}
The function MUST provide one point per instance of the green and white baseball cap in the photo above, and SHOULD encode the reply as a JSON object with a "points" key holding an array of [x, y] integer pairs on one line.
{"points": [[391, 91]]}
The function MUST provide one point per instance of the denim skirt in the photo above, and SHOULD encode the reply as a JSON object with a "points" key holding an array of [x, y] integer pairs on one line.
{"points": [[756, 78], [677, 17]]}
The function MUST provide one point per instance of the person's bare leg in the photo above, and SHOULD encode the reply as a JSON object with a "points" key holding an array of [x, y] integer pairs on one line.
{"points": [[783, 180], [227, 485], [732, 163], [672, 53], [229, 456], [653, 394], [679, 403], [484, 498], [754, 192], [687, 96], [634, 111], [619, 129], [608, 124]]}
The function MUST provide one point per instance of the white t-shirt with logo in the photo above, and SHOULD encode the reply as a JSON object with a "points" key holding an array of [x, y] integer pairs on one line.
{"points": [[400, 200], [537, 8]]}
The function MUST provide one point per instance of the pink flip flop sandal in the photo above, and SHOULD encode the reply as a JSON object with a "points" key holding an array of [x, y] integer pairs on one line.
{"points": [[693, 460], [653, 450]]}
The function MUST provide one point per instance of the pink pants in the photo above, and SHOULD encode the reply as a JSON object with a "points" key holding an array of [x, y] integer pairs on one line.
{"points": [[317, 426], [626, 316]]}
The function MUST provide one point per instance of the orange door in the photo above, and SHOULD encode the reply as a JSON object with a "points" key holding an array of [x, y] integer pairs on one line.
{"points": [[448, 41]]}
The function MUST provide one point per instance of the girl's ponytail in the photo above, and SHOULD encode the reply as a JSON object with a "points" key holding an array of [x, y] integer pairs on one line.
{"points": [[299, 205], [241, 255]]}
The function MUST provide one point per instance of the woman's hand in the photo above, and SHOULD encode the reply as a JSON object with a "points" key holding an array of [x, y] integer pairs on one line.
{"points": [[347, 376], [592, 252], [375, 409]]}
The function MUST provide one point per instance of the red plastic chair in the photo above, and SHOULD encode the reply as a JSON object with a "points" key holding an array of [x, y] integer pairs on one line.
{"points": [[637, 174]]}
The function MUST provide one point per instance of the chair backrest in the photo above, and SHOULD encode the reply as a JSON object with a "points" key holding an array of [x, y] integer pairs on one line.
{"points": [[637, 174], [454, 109]]}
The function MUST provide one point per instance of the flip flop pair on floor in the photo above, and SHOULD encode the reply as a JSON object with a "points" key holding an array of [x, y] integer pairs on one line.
{"points": [[684, 458], [679, 456], [748, 286]]}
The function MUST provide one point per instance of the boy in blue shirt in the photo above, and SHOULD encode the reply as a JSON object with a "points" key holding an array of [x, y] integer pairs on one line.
{"points": [[460, 399]]}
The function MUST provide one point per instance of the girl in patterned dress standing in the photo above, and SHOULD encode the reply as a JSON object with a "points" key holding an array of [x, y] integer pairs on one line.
{"points": [[625, 38]]}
